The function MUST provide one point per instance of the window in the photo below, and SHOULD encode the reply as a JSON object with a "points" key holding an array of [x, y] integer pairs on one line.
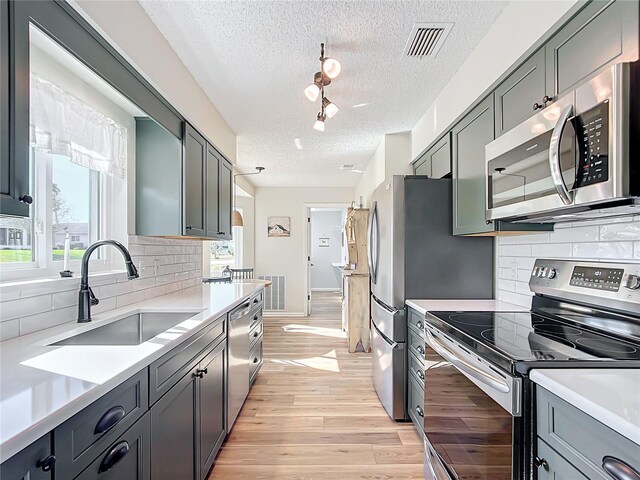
{"points": [[226, 252], [79, 136]]}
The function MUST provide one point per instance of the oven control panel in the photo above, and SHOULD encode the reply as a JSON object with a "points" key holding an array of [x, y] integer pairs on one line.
{"points": [[592, 137], [597, 278], [615, 285]]}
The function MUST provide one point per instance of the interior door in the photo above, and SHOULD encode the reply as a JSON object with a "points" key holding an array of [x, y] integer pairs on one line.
{"points": [[309, 264]]}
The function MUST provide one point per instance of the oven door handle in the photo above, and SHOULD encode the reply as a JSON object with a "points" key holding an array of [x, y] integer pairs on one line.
{"points": [[466, 367], [554, 157]]}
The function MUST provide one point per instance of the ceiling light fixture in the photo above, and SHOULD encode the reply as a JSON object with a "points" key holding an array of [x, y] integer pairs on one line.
{"points": [[329, 69], [236, 218]]}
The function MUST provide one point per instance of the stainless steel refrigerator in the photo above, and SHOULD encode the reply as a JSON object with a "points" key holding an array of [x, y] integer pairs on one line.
{"points": [[413, 255]]}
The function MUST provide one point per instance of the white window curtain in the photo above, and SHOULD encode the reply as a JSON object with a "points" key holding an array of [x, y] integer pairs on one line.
{"points": [[62, 124]]}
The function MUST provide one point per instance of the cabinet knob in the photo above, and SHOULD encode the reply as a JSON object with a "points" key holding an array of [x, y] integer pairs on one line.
{"points": [[222, 233], [255, 334], [537, 106], [255, 360], [546, 99], [47, 463], [541, 462], [420, 325], [420, 374], [420, 349], [419, 411], [201, 372], [188, 227], [27, 199]]}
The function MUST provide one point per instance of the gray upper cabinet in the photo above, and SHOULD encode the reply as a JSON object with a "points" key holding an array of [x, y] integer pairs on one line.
{"points": [[213, 186], [225, 200], [468, 139], [522, 94], [195, 182], [33, 463], [435, 162], [603, 33]]}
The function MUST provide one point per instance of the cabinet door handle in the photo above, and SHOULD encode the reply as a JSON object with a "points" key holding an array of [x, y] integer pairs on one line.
{"points": [[546, 99], [420, 374], [541, 462], [255, 360], [537, 106], [619, 470], [110, 419], [188, 227], [419, 411], [115, 455], [420, 325], [26, 199], [222, 233], [47, 463], [255, 334], [420, 349], [255, 300], [255, 317], [201, 372]]}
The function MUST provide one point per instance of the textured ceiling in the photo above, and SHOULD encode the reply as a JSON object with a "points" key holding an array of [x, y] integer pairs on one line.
{"points": [[254, 59]]}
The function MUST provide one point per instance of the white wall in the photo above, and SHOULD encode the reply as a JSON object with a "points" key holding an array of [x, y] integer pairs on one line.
{"points": [[326, 224], [247, 204], [606, 240], [392, 157], [127, 27], [285, 256], [519, 27]]}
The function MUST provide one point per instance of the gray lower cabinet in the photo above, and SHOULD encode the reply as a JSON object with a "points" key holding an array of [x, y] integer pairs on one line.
{"points": [[211, 407], [173, 424], [187, 423], [415, 369], [468, 138], [435, 162], [195, 182], [603, 33], [555, 467], [571, 441], [33, 463], [128, 457], [522, 94]]}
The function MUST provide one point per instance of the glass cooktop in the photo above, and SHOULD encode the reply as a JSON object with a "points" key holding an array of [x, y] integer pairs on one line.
{"points": [[529, 337]]}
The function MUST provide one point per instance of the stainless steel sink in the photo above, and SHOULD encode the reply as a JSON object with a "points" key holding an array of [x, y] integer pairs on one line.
{"points": [[132, 330]]}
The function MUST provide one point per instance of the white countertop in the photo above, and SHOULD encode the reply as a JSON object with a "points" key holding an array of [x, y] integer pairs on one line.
{"points": [[42, 386], [611, 396], [424, 306]]}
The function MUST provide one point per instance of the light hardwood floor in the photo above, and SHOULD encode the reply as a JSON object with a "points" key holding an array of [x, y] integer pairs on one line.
{"points": [[313, 414]]}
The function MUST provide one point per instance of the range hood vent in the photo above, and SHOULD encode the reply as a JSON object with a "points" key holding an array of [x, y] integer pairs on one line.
{"points": [[426, 39], [347, 166]]}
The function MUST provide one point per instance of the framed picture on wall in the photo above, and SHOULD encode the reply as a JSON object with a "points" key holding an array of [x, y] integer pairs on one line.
{"points": [[279, 227], [323, 241]]}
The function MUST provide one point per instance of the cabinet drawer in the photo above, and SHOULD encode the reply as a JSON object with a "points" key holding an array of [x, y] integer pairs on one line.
{"points": [[168, 369], [255, 360], [557, 468], [127, 457], [415, 404], [416, 368], [257, 298], [416, 344], [90, 431], [581, 439], [256, 317], [416, 320], [256, 333]]}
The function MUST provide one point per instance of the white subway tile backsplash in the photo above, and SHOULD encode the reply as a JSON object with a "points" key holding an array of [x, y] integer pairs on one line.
{"points": [[515, 250], [576, 234], [606, 239], [620, 231], [24, 306], [604, 250], [551, 250], [169, 265]]}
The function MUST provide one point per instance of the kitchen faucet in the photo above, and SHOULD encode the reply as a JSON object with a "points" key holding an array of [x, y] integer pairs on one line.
{"points": [[86, 297]]}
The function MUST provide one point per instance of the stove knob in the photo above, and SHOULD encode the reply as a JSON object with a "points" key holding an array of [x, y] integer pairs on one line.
{"points": [[551, 272], [633, 282]]}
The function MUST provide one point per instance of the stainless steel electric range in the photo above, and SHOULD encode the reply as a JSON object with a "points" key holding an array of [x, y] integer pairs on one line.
{"points": [[479, 406]]}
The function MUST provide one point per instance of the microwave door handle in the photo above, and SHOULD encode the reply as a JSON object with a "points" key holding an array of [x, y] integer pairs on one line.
{"points": [[466, 367], [554, 156]]}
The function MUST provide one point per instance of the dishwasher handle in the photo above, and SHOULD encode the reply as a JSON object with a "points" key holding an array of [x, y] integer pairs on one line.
{"points": [[240, 312]]}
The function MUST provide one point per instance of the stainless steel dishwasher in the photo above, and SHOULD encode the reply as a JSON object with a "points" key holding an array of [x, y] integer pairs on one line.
{"points": [[238, 361]]}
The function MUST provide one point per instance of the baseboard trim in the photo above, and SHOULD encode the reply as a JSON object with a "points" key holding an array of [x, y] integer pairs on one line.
{"points": [[275, 313], [334, 289]]}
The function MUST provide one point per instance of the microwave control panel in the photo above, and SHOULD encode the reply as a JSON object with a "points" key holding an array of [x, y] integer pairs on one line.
{"points": [[592, 136]]}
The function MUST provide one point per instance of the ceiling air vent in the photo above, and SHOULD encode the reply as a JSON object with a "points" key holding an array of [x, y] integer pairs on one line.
{"points": [[347, 166], [426, 39]]}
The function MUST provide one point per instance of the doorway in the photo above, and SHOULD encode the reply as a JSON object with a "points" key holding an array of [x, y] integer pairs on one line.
{"points": [[326, 256]]}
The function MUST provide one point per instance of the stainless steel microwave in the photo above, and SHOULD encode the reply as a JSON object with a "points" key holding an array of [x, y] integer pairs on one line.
{"points": [[577, 159]]}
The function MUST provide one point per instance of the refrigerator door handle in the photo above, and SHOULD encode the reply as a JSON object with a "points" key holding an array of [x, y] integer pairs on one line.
{"points": [[372, 244], [391, 343]]}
